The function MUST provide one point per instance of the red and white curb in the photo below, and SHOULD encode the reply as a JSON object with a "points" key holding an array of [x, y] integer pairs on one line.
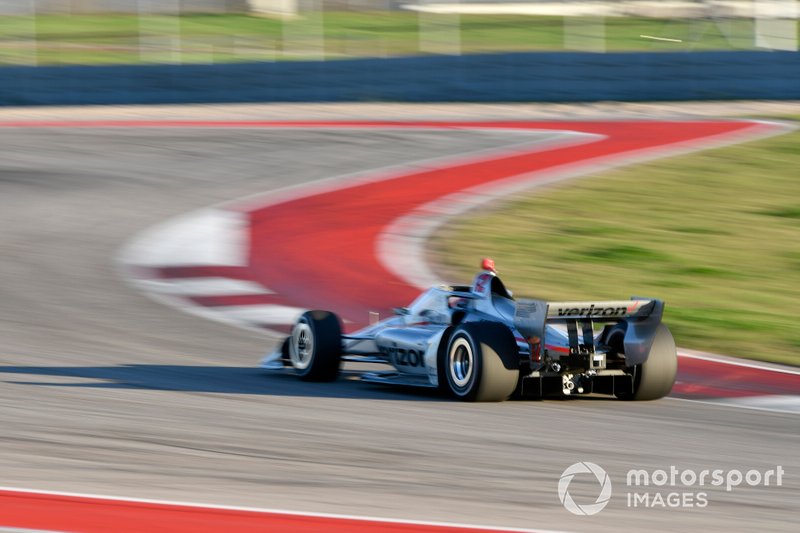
{"points": [[725, 381], [356, 243], [90, 513], [184, 261], [196, 260]]}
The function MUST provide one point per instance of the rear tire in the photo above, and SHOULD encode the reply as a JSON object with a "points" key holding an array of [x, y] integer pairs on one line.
{"points": [[315, 346], [654, 378], [479, 363]]}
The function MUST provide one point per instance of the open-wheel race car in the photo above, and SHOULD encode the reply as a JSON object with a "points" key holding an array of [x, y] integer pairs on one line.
{"points": [[480, 344]]}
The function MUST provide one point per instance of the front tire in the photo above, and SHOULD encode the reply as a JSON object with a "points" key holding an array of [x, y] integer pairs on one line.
{"points": [[479, 363], [315, 346]]}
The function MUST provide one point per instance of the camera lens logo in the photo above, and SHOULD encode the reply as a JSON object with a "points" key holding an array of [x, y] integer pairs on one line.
{"points": [[584, 468]]}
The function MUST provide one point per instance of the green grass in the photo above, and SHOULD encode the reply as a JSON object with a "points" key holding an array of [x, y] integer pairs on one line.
{"points": [[715, 234], [127, 39]]}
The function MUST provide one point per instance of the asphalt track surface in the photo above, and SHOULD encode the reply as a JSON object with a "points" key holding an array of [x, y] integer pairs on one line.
{"points": [[107, 392]]}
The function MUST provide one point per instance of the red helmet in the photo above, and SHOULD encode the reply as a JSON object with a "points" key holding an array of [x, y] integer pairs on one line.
{"points": [[488, 264]]}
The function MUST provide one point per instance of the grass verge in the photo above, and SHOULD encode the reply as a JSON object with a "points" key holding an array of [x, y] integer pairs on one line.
{"points": [[715, 234], [196, 38]]}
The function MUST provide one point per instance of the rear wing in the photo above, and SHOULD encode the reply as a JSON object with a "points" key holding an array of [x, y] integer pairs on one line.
{"points": [[643, 315]]}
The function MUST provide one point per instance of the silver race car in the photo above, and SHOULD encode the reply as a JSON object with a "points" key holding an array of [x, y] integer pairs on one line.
{"points": [[480, 344]]}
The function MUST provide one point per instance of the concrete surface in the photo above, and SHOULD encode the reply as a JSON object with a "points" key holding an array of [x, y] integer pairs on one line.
{"points": [[104, 391]]}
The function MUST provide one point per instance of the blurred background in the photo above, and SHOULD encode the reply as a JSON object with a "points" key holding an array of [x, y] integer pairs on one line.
{"points": [[106, 391], [100, 32], [205, 51]]}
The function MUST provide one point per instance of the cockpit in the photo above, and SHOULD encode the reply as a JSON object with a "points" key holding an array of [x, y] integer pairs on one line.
{"points": [[432, 306], [447, 304]]}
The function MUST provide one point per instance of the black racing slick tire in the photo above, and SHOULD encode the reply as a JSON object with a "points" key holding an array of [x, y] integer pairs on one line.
{"points": [[654, 378], [315, 346], [481, 363]]}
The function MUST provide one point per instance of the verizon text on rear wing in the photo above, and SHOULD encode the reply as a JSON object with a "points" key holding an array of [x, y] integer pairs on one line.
{"points": [[600, 310], [642, 315]]}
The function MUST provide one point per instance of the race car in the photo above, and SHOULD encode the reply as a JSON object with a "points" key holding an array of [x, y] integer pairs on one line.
{"points": [[480, 344]]}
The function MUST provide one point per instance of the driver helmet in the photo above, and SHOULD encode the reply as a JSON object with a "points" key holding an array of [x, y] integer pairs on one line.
{"points": [[483, 281]]}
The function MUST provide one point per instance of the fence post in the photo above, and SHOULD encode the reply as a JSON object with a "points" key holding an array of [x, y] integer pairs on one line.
{"points": [[776, 24]]}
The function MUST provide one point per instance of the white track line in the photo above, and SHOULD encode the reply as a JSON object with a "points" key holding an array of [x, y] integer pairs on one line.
{"points": [[734, 362], [262, 314], [778, 403], [333, 516], [733, 403], [212, 286], [665, 39], [19, 530]]}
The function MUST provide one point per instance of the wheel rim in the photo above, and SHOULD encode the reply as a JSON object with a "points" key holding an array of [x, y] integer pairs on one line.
{"points": [[461, 363], [301, 349]]}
